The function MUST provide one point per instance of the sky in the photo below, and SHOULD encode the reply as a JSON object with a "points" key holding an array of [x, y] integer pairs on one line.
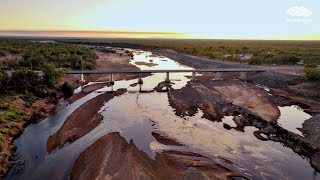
{"points": [[209, 19]]}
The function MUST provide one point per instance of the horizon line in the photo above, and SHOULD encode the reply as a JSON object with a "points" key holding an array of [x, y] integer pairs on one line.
{"points": [[106, 38], [92, 31], [96, 34]]}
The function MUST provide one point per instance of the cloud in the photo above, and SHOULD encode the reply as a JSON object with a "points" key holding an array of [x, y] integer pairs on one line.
{"points": [[299, 11]]}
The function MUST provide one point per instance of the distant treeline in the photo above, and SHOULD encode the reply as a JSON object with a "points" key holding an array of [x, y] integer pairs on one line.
{"points": [[260, 52]]}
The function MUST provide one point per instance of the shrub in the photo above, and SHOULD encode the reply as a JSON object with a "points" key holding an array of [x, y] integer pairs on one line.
{"points": [[108, 51], [40, 91], [255, 61], [11, 113], [312, 74], [51, 74], [311, 65], [23, 80], [2, 53], [29, 99], [3, 81], [67, 89], [131, 55], [13, 63]]}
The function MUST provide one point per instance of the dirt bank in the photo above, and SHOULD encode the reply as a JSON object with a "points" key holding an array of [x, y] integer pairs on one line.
{"points": [[42, 108], [89, 117], [12, 129], [112, 157]]}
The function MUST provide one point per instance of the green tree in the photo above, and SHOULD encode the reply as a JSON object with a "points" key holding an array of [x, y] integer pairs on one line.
{"points": [[51, 74], [2, 53], [311, 65], [3, 81], [75, 61], [312, 74], [13, 63], [23, 80], [67, 89]]}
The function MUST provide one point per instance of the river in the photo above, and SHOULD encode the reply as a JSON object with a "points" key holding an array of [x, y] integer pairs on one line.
{"points": [[138, 113]]}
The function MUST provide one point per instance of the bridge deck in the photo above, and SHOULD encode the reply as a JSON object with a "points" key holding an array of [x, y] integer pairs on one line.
{"points": [[164, 71]]}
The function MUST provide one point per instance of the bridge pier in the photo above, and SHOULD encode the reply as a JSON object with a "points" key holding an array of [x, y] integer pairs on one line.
{"points": [[111, 79], [167, 77], [193, 76], [243, 75], [82, 78], [140, 81], [218, 76]]}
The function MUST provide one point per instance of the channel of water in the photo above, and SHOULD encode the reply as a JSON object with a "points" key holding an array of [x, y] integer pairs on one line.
{"points": [[136, 115]]}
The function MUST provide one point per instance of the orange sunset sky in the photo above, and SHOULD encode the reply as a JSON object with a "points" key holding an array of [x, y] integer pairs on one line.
{"points": [[229, 19]]}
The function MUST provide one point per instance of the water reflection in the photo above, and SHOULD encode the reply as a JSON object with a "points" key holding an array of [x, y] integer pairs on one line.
{"points": [[292, 118], [136, 115]]}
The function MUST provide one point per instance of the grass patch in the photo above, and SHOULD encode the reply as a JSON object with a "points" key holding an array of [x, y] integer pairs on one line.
{"points": [[29, 99], [312, 74], [9, 113]]}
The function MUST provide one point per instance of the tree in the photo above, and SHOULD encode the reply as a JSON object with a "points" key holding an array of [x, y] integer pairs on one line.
{"points": [[244, 50], [67, 89], [311, 65], [2, 53], [3, 81], [255, 60], [75, 61], [13, 63], [23, 80], [312, 74], [51, 74]]}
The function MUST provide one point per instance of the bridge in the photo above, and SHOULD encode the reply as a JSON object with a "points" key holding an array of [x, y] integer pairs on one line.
{"points": [[219, 71]]}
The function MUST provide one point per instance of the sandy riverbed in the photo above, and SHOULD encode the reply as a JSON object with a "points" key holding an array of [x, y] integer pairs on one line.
{"points": [[118, 159], [216, 99], [81, 121], [112, 156]]}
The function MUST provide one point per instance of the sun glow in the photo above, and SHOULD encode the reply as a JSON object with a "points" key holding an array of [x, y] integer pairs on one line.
{"points": [[247, 19], [94, 34]]}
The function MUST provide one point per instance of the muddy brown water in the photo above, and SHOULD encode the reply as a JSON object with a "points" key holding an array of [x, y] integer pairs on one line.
{"points": [[136, 115]]}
